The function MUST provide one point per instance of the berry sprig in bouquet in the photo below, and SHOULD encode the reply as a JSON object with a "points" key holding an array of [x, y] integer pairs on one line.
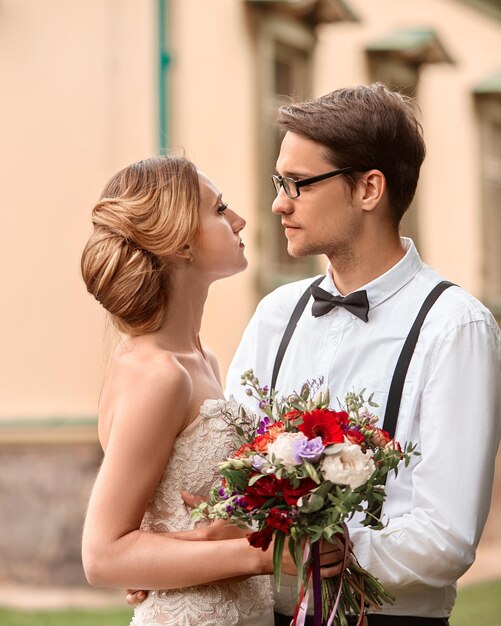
{"points": [[301, 472]]}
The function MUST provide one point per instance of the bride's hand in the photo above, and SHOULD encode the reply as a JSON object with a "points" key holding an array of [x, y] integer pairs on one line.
{"points": [[216, 531], [191, 499]]}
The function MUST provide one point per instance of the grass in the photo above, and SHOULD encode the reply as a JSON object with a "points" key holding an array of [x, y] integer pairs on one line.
{"points": [[73, 617], [477, 605]]}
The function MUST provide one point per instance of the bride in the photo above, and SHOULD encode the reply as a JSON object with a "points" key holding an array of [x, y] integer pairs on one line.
{"points": [[162, 235]]}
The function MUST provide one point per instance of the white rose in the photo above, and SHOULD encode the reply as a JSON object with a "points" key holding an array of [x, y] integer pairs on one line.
{"points": [[350, 467], [282, 448]]}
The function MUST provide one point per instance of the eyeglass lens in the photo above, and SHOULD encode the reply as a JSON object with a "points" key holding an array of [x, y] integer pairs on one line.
{"points": [[288, 184]]}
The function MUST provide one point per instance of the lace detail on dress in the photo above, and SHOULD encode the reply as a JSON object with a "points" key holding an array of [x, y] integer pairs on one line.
{"points": [[193, 466]]}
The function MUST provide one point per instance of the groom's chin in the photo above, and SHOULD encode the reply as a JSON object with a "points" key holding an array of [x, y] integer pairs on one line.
{"points": [[297, 252]]}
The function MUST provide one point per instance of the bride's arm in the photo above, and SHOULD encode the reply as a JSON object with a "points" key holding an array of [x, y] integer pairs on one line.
{"points": [[149, 411]]}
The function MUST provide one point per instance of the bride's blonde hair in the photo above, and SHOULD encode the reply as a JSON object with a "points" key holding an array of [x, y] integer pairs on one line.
{"points": [[147, 213]]}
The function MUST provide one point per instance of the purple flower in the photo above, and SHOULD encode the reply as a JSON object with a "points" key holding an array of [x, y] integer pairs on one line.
{"points": [[263, 424], [222, 493], [258, 462], [248, 391], [307, 449], [230, 509]]}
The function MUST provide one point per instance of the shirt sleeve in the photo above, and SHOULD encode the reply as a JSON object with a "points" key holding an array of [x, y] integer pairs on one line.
{"points": [[459, 429]]}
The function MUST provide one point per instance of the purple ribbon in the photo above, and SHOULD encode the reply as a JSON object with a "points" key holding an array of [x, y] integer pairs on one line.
{"points": [[317, 584]]}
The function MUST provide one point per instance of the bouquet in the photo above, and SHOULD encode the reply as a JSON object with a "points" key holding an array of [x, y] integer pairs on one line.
{"points": [[301, 472]]}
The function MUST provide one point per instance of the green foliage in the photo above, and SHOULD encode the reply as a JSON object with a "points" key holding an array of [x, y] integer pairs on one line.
{"points": [[278, 548]]}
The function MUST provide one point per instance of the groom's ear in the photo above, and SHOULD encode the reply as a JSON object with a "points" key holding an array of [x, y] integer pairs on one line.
{"points": [[185, 253], [370, 190]]}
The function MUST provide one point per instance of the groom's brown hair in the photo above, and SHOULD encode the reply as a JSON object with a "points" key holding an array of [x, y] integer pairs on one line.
{"points": [[365, 127]]}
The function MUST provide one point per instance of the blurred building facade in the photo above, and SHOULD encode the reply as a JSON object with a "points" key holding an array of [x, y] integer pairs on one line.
{"points": [[92, 87]]}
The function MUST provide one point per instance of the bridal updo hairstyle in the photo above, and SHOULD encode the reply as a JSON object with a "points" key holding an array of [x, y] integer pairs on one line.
{"points": [[147, 213]]}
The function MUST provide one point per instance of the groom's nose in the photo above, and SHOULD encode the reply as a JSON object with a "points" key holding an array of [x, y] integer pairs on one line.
{"points": [[282, 203]]}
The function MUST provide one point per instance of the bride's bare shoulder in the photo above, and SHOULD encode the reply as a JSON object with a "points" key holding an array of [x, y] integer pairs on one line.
{"points": [[141, 377], [145, 365]]}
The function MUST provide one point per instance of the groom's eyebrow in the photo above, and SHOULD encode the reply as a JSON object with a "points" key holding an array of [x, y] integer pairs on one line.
{"points": [[296, 174]]}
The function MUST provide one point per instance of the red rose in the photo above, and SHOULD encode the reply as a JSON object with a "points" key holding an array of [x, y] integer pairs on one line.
{"points": [[354, 436], [261, 538], [393, 445], [292, 415], [292, 495], [380, 437], [267, 486], [279, 519], [261, 491], [253, 501], [244, 450], [276, 429], [260, 443], [325, 424]]}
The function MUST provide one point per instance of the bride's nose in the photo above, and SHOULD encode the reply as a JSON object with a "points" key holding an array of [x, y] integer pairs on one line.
{"points": [[238, 223]]}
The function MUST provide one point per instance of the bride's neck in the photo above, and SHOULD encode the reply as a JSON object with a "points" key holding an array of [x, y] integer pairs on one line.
{"points": [[180, 331]]}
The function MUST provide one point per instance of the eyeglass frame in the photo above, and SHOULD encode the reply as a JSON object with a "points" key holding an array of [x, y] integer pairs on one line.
{"points": [[305, 181]]}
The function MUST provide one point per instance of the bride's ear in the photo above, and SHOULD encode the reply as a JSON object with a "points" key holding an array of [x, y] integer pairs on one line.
{"points": [[185, 253]]}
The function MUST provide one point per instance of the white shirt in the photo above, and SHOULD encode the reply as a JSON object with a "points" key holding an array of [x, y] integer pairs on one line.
{"points": [[451, 404]]}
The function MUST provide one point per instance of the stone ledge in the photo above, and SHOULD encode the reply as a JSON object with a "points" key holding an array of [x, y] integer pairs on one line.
{"points": [[46, 598], [54, 430]]}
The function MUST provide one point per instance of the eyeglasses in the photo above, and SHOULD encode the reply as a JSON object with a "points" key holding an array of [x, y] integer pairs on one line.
{"points": [[292, 186]]}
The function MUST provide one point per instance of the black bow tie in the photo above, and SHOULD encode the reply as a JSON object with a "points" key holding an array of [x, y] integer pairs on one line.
{"points": [[356, 303]]}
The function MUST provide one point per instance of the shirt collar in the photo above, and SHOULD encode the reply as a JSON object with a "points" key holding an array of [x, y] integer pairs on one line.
{"points": [[384, 286]]}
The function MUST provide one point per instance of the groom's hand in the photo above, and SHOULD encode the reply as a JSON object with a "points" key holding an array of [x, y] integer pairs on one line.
{"points": [[331, 560], [135, 596]]}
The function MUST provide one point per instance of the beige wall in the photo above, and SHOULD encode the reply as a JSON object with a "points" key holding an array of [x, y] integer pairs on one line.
{"points": [[81, 103], [78, 103]]}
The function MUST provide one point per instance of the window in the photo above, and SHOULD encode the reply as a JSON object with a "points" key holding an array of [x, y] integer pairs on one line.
{"points": [[489, 108], [403, 77], [396, 61], [285, 50]]}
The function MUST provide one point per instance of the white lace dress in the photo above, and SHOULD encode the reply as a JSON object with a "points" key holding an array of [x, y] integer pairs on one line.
{"points": [[193, 466]]}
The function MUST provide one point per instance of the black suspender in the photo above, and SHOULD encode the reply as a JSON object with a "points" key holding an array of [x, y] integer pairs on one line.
{"points": [[289, 331], [398, 380], [404, 360]]}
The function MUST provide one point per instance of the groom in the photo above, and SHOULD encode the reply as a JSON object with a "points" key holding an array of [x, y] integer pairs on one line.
{"points": [[347, 172]]}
